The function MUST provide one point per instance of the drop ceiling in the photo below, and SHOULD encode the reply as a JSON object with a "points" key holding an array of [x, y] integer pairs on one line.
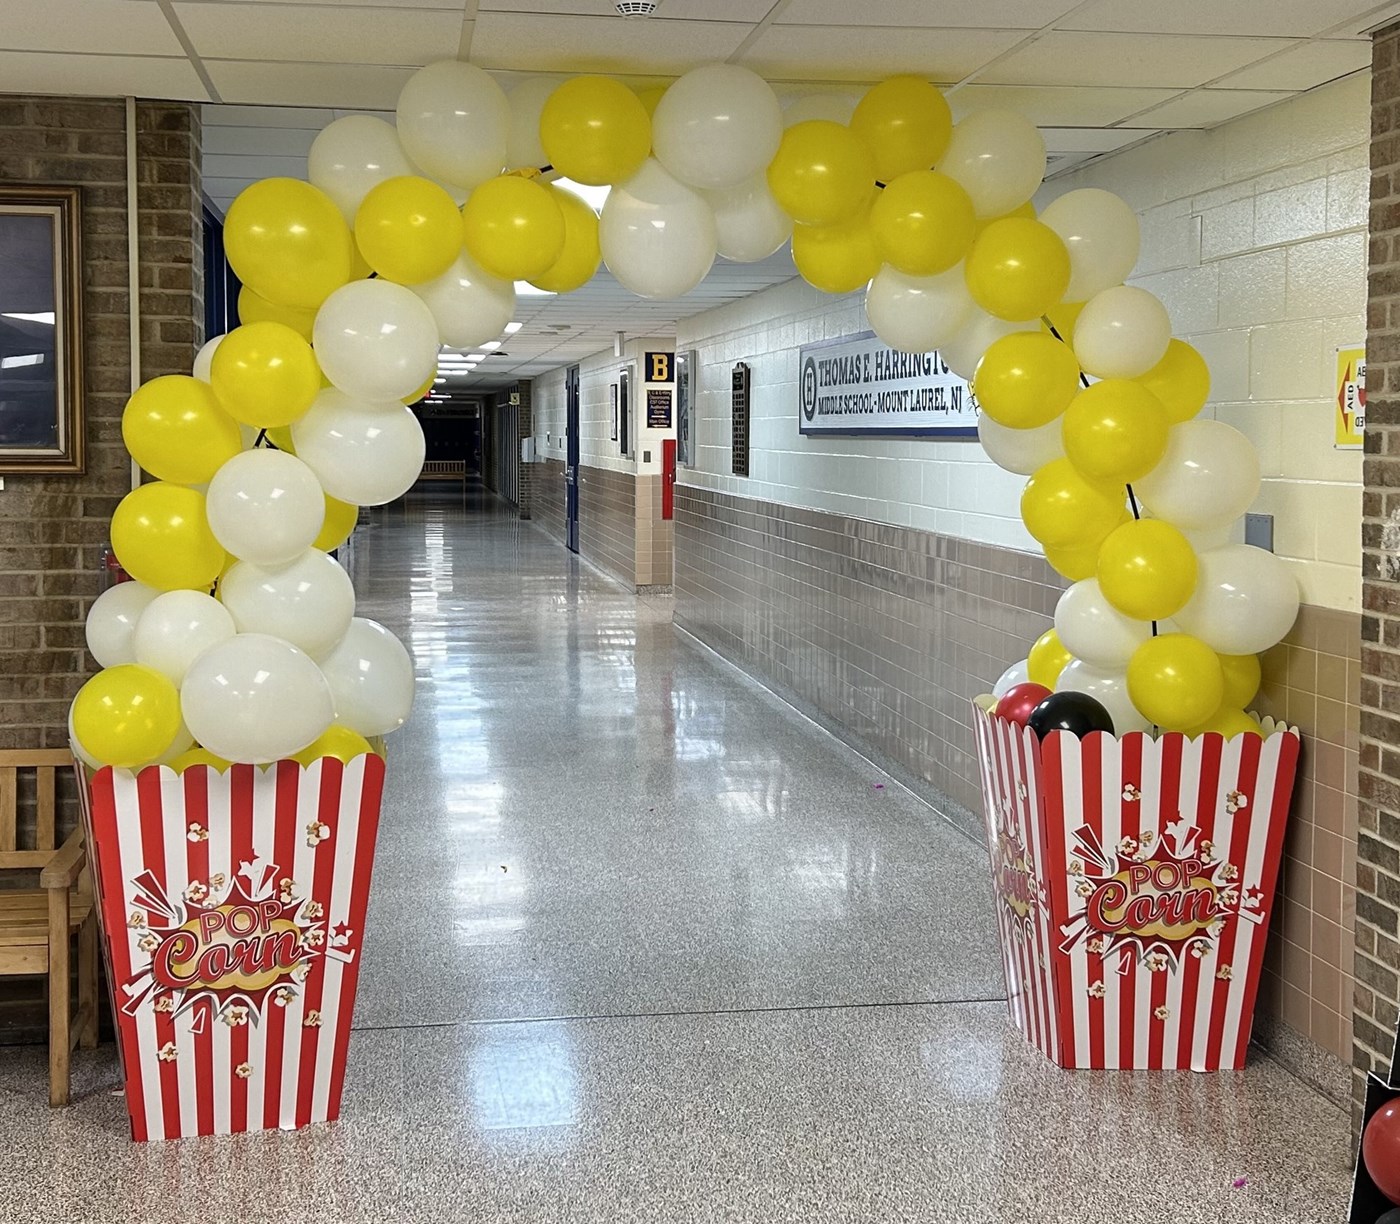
{"points": [[1096, 75]]}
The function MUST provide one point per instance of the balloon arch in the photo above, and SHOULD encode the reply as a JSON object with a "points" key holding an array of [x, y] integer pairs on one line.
{"points": [[237, 641]]}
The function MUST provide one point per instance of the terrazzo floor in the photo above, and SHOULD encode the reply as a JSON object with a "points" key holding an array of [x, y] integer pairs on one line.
{"points": [[645, 945]]}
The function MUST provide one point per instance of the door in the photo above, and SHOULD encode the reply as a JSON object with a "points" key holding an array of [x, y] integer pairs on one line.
{"points": [[571, 463]]}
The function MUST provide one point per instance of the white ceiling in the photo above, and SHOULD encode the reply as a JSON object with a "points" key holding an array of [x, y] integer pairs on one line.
{"points": [[1097, 75]]}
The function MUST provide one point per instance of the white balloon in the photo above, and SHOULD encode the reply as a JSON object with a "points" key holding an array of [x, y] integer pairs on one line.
{"points": [[1106, 686], [176, 628], [468, 305], [833, 107], [454, 122], [917, 314], [526, 101], [1207, 478], [1246, 600], [363, 453], [308, 603], [1023, 451], [265, 506], [963, 350], [376, 339], [371, 679], [717, 126], [1122, 332], [749, 223], [111, 622], [255, 698], [999, 158], [183, 742], [1102, 235], [1017, 673], [1092, 629], [353, 154], [203, 360], [658, 236]]}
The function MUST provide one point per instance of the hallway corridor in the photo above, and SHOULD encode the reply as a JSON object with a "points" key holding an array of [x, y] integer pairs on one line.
{"points": [[645, 945]]}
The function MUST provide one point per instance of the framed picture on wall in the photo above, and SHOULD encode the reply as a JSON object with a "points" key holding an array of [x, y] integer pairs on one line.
{"points": [[612, 399], [41, 368]]}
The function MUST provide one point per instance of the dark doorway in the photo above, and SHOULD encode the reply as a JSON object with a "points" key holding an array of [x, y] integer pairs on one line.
{"points": [[571, 463]]}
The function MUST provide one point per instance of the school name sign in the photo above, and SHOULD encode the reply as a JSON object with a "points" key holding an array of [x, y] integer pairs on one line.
{"points": [[859, 385]]}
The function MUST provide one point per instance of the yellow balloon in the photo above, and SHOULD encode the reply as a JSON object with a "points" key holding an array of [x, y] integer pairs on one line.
{"points": [[423, 390], [1181, 381], [836, 258], [1026, 379], [288, 240], [1229, 722], [1017, 269], [408, 229], [336, 527], [1047, 659], [1076, 564], [651, 96], [514, 226], [906, 124], [1242, 677], [264, 374], [595, 130], [199, 756], [923, 222], [581, 254], [126, 716], [1063, 510], [1026, 210], [1175, 682], [335, 741], [1061, 318], [359, 265], [1147, 570], [822, 174], [175, 429], [254, 308], [1115, 431], [281, 438], [162, 538]]}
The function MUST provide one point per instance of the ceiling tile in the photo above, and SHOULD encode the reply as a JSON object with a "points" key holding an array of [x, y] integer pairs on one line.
{"points": [[100, 75], [308, 84], [455, 5], [1203, 108], [112, 27], [1304, 67], [1169, 61], [750, 11], [870, 53], [1288, 18], [320, 35], [1059, 141], [1059, 106], [987, 14], [552, 43]]}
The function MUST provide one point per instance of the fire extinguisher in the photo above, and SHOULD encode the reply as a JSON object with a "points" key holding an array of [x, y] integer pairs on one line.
{"points": [[112, 572]]}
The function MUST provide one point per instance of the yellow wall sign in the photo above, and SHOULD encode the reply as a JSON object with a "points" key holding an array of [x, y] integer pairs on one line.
{"points": [[1351, 397]]}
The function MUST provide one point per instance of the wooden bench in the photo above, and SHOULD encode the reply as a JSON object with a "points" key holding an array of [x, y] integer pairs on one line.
{"points": [[446, 469], [38, 925]]}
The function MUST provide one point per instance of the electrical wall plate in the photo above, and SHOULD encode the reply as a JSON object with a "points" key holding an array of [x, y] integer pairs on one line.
{"points": [[1259, 531]]}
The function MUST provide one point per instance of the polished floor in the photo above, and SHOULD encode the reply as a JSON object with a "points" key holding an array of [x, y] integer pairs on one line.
{"points": [[644, 945]]}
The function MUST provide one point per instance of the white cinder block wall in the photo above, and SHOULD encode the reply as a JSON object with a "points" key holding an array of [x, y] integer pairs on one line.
{"points": [[1253, 236]]}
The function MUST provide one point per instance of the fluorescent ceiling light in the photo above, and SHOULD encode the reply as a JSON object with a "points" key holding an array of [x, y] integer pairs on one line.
{"points": [[525, 289], [439, 380], [25, 359], [512, 328], [594, 197], [46, 316], [491, 345], [476, 356]]}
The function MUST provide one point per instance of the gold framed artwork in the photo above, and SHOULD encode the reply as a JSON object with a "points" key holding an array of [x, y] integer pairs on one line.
{"points": [[41, 330]]}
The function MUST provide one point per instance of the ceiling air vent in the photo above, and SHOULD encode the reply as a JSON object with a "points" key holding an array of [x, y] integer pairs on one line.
{"points": [[635, 8]]}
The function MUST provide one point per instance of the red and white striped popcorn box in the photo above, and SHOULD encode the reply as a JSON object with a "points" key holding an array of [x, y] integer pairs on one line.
{"points": [[1134, 882], [232, 909]]}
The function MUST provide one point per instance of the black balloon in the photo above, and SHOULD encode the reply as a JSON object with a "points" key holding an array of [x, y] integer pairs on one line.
{"points": [[1077, 713]]}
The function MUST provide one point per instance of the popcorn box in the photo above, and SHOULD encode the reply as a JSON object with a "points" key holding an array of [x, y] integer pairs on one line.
{"points": [[232, 910], [1134, 880]]}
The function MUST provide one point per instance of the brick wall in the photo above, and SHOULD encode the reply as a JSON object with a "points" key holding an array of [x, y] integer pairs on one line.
{"points": [[1378, 844], [53, 528]]}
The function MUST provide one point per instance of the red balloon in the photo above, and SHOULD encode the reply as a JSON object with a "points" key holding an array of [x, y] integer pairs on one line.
{"points": [[1380, 1149], [1019, 700]]}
